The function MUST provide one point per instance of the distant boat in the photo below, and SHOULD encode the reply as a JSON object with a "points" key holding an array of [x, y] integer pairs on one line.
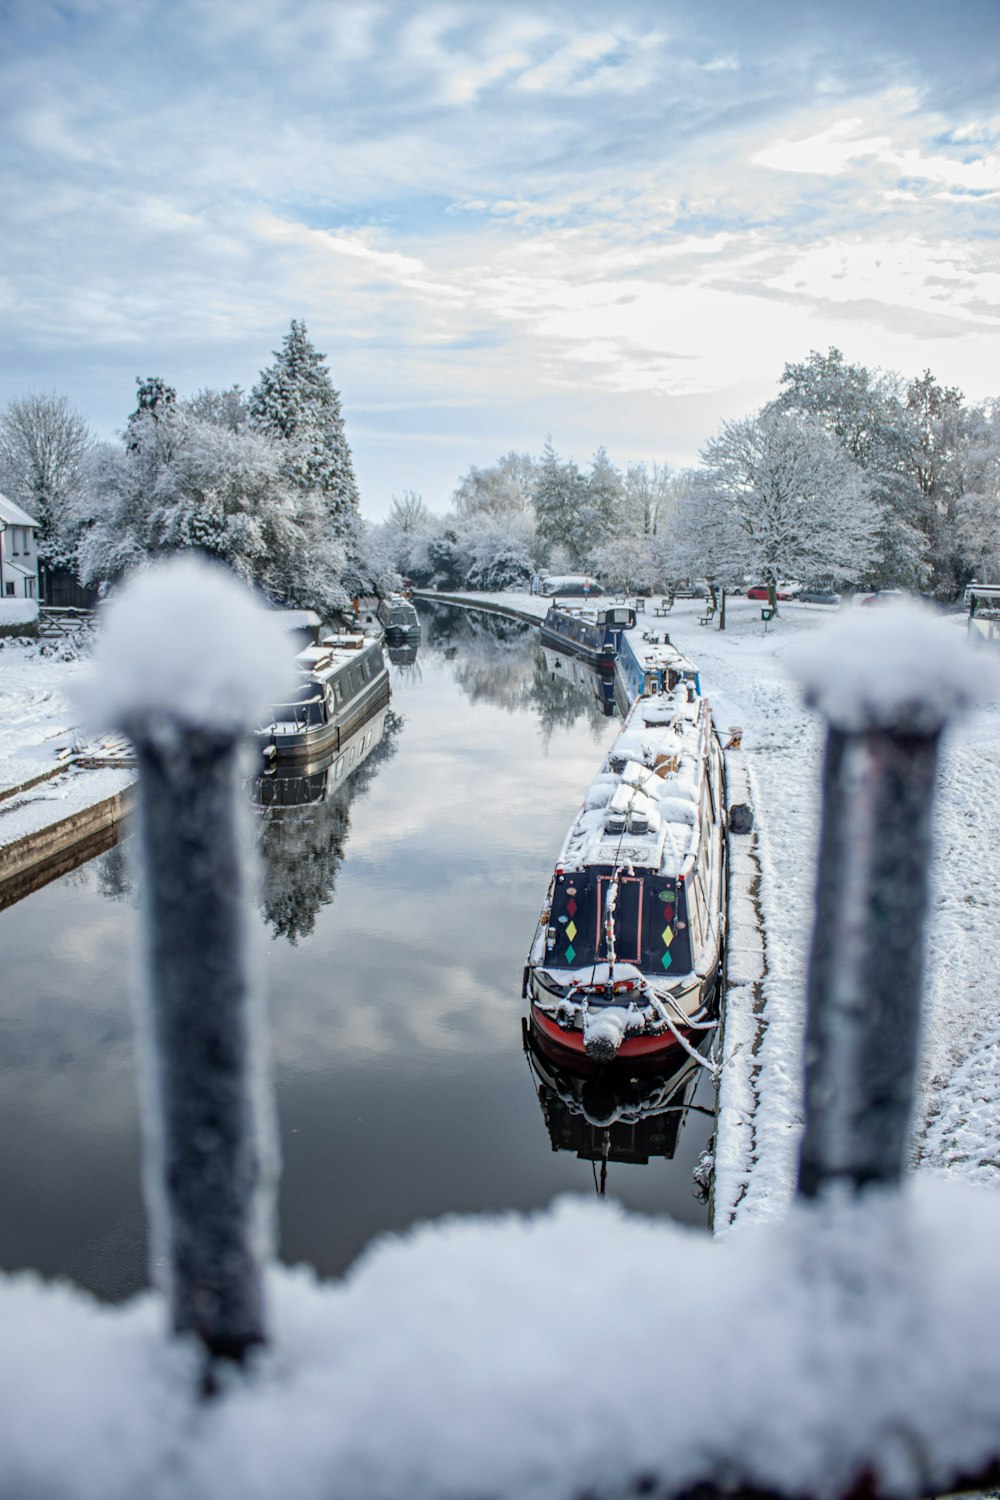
{"points": [[627, 956], [591, 634], [341, 682], [399, 619]]}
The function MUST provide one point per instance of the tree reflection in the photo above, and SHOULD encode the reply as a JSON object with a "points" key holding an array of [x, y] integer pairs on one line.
{"points": [[499, 661], [305, 823]]}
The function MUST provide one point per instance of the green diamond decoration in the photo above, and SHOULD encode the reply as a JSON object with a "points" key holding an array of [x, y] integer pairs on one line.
{"points": [[666, 960], [571, 954]]}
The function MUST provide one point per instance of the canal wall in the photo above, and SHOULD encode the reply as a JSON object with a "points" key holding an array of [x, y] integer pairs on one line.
{"points": [[37, 844]]}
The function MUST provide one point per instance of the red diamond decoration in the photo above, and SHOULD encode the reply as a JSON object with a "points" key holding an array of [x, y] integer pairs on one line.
{"points": [[571, 907]]}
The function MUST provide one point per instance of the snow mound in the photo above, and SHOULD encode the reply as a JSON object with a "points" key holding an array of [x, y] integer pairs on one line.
{"points": [[900, 667], [185, 640]]}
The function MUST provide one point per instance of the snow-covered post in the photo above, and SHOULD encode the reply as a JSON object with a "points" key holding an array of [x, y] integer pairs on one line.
{"points": [[185, 659], [887, 683]]}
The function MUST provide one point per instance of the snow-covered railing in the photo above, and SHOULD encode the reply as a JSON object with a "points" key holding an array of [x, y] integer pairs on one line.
{"points": [[853, 1349]]}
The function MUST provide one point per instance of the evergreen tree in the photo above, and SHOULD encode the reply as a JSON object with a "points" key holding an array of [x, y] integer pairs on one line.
{"points": [[155, 399], [560, 498], [295, 402]]}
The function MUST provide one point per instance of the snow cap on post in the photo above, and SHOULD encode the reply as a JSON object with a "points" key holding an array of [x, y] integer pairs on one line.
{"points": [[899, 667], [186, 641]]}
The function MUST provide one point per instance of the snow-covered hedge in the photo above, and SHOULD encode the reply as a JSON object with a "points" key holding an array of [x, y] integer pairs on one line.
{"points": [[18, 616]]}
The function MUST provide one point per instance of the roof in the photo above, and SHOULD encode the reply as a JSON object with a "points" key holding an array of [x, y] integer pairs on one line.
{"points": [[13, 514]]}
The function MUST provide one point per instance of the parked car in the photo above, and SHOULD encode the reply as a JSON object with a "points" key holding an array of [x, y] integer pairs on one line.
{"points": [[885, 596], [818, 596], [784, 591]]}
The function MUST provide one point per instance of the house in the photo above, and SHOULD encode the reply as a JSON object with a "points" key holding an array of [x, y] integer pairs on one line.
{"points": [[18, 552]]}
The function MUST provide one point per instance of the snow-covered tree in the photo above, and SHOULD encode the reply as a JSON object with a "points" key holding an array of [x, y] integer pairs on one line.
{"points": [[977, 521], [225, 408], [294, 402], [500, 554], [44, 445], [155, 399], [647, 499], [500, 490], [627, 564], [186, 483], [937, 456], [561, 501], [867, 412], [782, 499]]}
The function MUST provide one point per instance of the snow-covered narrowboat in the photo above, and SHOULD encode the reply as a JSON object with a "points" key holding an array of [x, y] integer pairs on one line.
{"points": [[627, 957], [399, 619], [593, 635], [301, 783], [650, 666], [342, 681]]}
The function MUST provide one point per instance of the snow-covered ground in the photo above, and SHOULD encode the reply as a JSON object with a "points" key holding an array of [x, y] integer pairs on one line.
{"points": [[38, 728]]}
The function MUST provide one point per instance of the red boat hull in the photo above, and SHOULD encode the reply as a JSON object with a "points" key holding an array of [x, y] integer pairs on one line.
{"points": [[635, 1048]]}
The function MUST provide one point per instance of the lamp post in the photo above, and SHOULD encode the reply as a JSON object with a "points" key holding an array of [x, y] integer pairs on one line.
{"points": [[3, 528]]}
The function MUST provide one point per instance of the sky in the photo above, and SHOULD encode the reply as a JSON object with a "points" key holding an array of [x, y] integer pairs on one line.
{"points": [[611, 224]]}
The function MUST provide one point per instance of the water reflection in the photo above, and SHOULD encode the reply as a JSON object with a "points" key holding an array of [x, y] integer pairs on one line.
{"points": [[305, 820], [582, 678], [498, 661], [610, 1114]]}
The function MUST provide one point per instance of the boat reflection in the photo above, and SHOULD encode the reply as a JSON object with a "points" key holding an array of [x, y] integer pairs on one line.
{"points": [[305, 821], [565, 668], [404, 654], [613, 1114]]}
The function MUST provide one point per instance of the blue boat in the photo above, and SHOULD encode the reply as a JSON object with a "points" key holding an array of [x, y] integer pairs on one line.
{"points": [[593, 635], [650, 666]]}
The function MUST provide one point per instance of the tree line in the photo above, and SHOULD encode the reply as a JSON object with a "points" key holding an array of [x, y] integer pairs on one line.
{"points": [[849, 478], [263, 482]]}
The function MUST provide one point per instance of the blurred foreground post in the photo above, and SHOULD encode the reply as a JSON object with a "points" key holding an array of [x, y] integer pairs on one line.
{"points": [[888, 686], [211, 1164], [185, 658]]}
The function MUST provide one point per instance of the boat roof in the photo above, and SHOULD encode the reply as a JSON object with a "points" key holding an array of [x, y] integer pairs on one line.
{"points": [[333, 652], [642, 807], [654, 653]]}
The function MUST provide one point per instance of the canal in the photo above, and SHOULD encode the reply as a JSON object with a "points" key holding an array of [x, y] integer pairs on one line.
{"points": [[395, 914]]}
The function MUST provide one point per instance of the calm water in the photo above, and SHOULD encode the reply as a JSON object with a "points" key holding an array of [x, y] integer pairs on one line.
{"points": [[396, 914]]}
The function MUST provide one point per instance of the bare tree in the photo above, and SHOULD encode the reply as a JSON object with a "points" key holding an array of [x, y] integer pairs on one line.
{"points": [[44, 443]]}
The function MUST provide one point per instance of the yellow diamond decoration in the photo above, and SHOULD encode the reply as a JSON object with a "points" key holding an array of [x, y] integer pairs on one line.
{"points": [[668, 935], [571, 930]]}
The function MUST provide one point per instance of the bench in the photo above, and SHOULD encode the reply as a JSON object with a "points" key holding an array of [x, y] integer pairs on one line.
{"points": [[664, 607], [708, 616]]}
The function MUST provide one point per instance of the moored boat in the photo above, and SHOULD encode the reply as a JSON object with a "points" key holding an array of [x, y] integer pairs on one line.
{"points": [[593, 635], [646, 667], [399, 618], [627, 957], [341, 682]]}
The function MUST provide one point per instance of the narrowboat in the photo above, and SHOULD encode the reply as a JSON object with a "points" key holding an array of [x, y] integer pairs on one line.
{"points": [[627, 956], [648, 667], [341, 682], [399, 619], [300, 783], [592, 635]]}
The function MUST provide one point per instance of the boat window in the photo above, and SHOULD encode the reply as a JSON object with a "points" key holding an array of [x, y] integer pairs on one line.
{"points": [[338, 690], [650, 923]]}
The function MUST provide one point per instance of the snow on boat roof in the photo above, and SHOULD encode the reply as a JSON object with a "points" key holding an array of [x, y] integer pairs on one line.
{"points": [[642, 807]]}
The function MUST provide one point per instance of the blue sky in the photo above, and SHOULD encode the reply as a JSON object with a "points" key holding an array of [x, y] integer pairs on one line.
{"points": [[614, 224]]}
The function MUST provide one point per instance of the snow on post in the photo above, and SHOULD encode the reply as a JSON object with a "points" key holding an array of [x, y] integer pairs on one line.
{"points": [[185, 661], [887, 681]]}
